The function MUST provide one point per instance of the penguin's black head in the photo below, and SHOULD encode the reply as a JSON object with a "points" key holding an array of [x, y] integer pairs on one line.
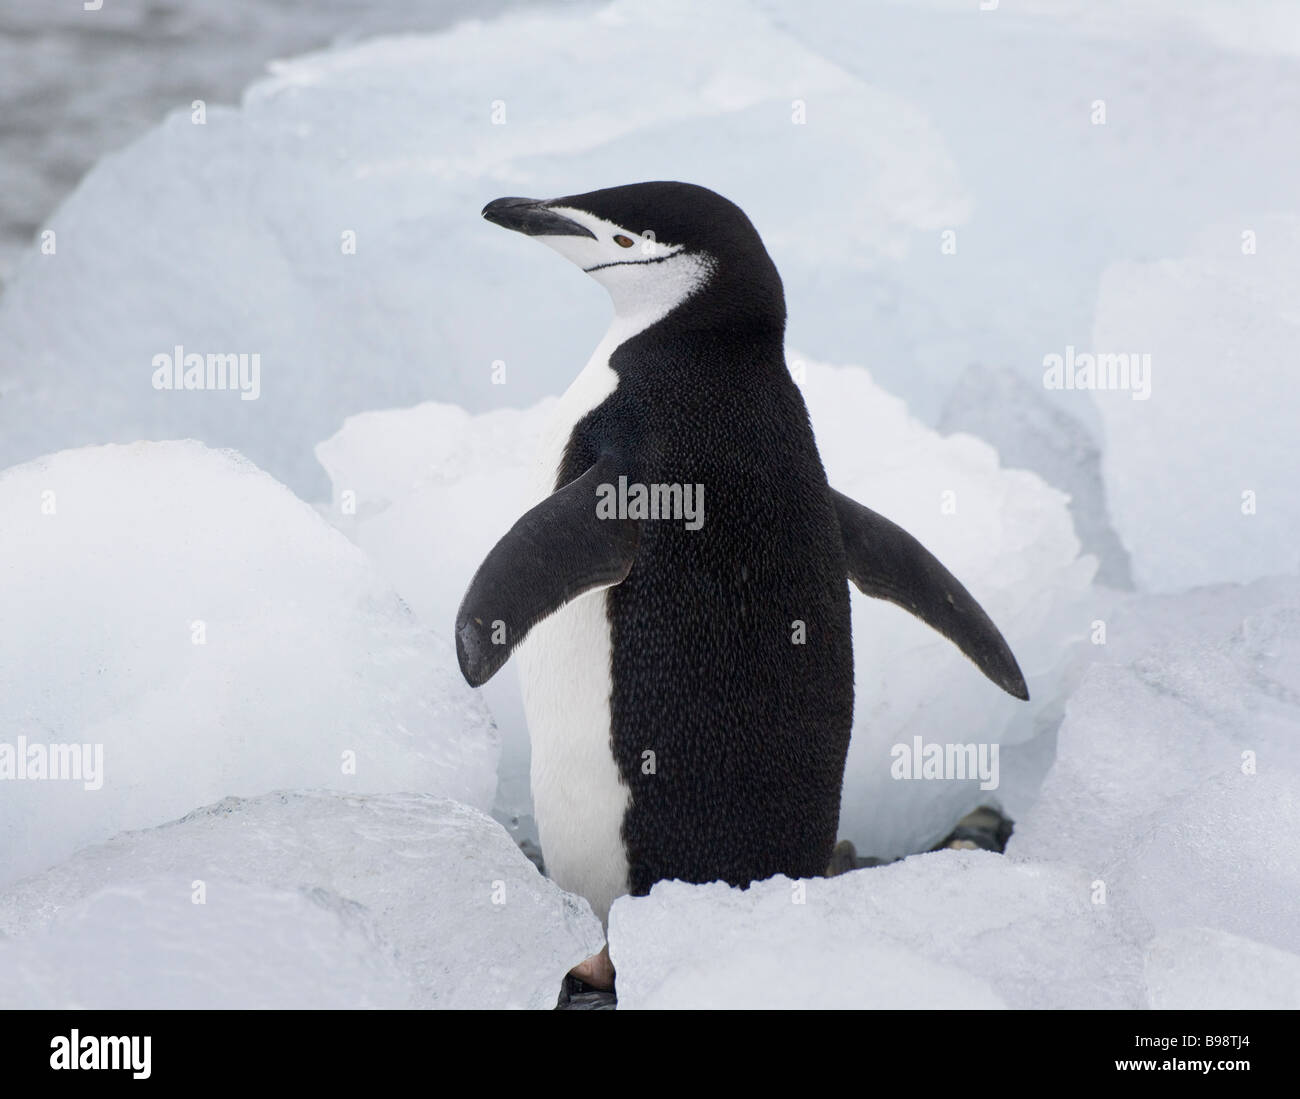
{"points": [[658, 248]]}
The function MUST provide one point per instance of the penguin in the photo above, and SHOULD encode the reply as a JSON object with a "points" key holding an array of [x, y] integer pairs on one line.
{"points": [[679, 598]]}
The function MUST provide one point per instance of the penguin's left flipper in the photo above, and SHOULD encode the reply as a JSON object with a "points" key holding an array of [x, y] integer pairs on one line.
{"points": [[886, 562], [556, 552]]}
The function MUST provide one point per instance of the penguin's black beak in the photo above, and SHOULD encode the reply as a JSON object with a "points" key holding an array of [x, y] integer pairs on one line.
{"points": [[531, 216]]}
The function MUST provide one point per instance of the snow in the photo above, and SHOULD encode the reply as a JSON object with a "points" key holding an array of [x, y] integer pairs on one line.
{"points": [[1177, 770], [1199, 969], [1175, 785], [144, 944], [1030, 432], [426, 492], [1223, 857], [1191, 691], [210, 635], [1191, 502], [309, 899], [417, 475], [1255, 26], [947, 929]]}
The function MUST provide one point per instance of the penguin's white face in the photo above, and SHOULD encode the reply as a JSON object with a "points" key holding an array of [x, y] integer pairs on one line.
{"points": [[644, 275], [641, 273]]}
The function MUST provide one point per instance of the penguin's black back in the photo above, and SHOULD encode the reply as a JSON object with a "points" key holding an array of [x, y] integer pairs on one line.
{"points": [[748, 729]]}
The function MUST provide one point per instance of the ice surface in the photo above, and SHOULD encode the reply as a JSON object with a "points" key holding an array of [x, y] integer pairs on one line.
{"points": [[433, 489], [1199, 969], [1054, 199], [1224, 857], [1030, 432], [311, 899], [1177, 770], [1199, 687], [1201, 476], [948, 929], [179, 608], [426, 492], [228, 236], [162, 243], [80, 85], [145, 944], [1254, 26]]}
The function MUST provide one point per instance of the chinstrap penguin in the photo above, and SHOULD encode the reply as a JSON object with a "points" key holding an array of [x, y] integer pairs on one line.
{"points": [[688, 687]]}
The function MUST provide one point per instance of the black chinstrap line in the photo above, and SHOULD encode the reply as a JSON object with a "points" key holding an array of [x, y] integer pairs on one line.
{"points": [[631, 262]]}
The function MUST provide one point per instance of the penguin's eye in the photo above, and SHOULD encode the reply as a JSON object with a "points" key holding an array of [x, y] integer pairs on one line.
{"points": [[622, 241]]}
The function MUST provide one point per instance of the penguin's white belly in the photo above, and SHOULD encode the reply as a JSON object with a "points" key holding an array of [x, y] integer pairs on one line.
{"points": [[579, 799]]}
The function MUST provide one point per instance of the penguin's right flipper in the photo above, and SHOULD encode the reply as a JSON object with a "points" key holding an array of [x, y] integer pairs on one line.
{"points": [[554, 553], [886, 562]]}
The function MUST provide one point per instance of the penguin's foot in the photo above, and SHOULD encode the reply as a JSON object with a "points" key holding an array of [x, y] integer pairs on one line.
{"points": [[597, 971], [845, 858], [984, 829], [576, 995]]}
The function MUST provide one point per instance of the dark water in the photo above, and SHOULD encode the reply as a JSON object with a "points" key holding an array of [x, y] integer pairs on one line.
{"points": [[77, 84]]}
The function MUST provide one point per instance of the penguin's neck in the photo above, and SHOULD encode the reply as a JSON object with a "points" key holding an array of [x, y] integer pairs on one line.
{"points": [[697, 296], [644, 293]]}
